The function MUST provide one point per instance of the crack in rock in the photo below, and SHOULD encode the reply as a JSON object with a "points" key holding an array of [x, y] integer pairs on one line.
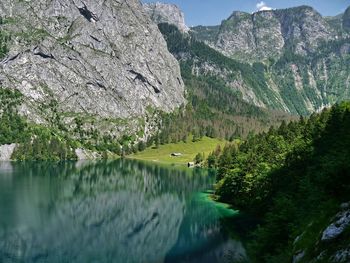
{"points": [[85, 12], [37, 52], [143, 79]]}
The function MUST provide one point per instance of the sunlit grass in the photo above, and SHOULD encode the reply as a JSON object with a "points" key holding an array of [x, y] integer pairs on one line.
{"points": [[188, 150]]}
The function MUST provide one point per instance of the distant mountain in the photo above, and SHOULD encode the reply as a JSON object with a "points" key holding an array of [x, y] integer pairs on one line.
{"points": [[299, 60], [166, 13], [267, 34], [218, 89]]}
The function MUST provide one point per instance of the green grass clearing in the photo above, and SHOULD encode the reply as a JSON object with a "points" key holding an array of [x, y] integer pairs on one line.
{"points": [[188, 150]]}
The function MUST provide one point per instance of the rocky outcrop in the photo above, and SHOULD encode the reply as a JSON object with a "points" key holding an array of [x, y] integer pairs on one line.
{"points": [[330, 245], [6, 151], [340, 223], [298, 256], [166, 13], [243, 34], [83, 154], [96, 59], [342, 255]]}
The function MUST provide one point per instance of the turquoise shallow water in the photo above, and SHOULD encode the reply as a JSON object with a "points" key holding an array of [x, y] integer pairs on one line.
{"points": [[121, 211]]}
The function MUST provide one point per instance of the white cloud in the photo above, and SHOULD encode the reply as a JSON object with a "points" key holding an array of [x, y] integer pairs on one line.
{"points": [[261, 6]]}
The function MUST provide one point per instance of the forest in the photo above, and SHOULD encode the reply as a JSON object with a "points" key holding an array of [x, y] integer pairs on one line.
{"points": [[36, 142], [290, 177]]}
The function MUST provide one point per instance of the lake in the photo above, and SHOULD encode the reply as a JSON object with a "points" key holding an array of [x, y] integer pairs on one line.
{"points": [[119, 211]]}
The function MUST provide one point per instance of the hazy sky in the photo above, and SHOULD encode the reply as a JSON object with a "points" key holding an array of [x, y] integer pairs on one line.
{"points": [[212, 12]]}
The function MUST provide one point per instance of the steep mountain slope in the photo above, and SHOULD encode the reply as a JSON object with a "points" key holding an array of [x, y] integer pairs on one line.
{"points": [[302, 56], [103, 64], [218, 88], [206, 34], [321, 79], [293, 83]]}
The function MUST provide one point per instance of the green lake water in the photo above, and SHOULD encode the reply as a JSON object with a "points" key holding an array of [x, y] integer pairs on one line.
{"points": [[121, 211]]}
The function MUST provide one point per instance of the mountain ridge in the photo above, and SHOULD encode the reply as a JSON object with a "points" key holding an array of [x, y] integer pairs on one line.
{"points": [[300, 58], [265, 34]]}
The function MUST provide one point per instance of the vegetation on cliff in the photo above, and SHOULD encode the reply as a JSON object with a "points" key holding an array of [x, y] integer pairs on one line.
{"points": [[214, 108], [35, 142]]}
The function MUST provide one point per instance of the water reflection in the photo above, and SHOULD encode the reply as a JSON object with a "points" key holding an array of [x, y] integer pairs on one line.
{"points": [[120, 211]]}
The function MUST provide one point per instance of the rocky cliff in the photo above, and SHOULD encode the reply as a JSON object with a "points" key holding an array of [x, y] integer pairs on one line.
{"points": [[6, 151], [266, 34], [301, 58], [101, 61], [166, 13], [269, 33]]}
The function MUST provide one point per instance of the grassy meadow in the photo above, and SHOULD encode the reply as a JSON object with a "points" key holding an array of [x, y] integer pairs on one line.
{"points": [[189, 150]]}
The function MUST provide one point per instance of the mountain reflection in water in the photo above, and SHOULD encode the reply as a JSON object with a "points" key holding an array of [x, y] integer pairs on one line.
{"points": [[120, 211]]}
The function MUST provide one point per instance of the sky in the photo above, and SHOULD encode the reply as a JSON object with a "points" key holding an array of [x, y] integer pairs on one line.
{"points": [[212, 12]]}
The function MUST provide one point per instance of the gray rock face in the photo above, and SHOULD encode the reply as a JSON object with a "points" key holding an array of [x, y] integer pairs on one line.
{"points": [[341, 256], [341, 222], [266, 34], [166, 13], [303, 28], [244, 34], [298, 256], [83, 154], [6, 151], [94, 58]]}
